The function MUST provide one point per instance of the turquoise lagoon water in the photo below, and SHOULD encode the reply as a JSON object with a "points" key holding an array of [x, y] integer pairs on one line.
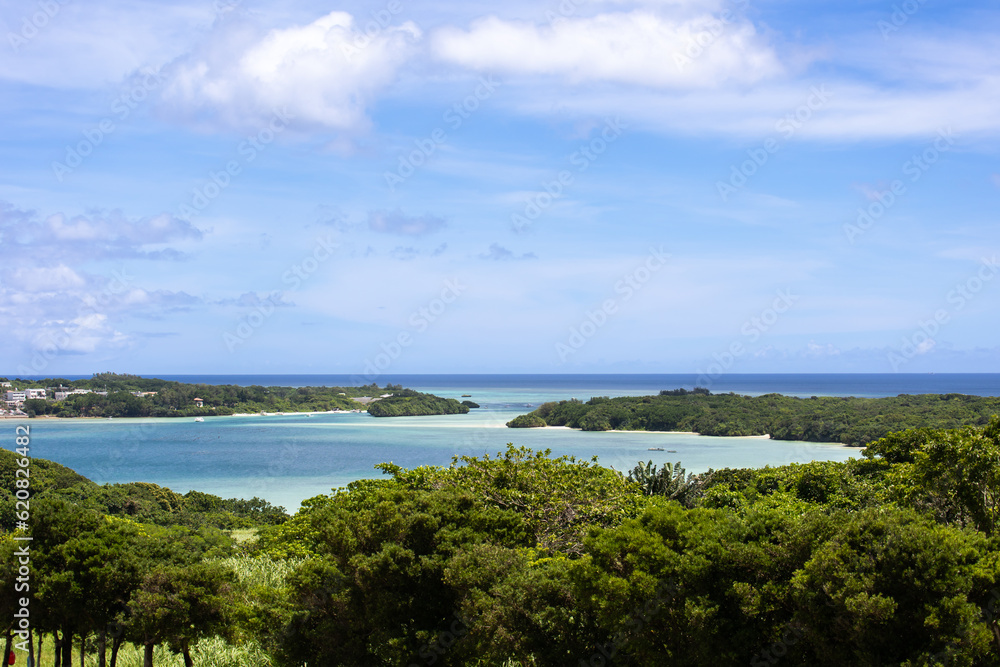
{"points": [[286, 459]]}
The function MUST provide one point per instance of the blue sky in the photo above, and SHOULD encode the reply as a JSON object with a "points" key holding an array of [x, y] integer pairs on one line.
{"points": [[577, 186]]}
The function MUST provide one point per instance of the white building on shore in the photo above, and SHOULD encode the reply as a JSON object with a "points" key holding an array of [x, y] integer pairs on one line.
{"points": [[15, 396], [63, 395]]}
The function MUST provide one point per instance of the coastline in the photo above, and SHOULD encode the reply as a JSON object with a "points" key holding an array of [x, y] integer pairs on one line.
{"points": [[766, 436], [238, 414], [618, 430]]}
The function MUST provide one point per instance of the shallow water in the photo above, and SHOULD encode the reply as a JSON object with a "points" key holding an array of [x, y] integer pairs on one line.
{"points": [[286, 459]]}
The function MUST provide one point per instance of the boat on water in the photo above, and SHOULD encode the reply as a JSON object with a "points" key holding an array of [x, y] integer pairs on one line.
{"points": [[199, 419], [655, 449], [466, 395]]}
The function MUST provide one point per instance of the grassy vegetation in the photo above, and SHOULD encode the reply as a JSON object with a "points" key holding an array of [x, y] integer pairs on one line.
{"points": [[212, 652]]}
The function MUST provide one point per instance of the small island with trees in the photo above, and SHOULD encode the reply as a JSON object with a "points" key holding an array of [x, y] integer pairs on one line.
{"points": [[848, 420], [409, 403]]}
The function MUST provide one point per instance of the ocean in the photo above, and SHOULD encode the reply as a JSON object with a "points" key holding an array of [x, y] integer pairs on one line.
{"points": [[286, 459]]}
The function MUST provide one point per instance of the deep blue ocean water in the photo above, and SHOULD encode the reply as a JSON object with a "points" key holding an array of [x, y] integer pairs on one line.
{"points": [[803, 384], [286, 459]]}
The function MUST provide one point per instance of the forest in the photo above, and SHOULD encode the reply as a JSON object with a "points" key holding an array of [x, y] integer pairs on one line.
{"points": [[176, 399], [522, 558], [848, 420], [409, 403]]}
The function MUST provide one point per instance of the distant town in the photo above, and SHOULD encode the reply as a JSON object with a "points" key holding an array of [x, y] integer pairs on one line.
{"points": [[15, 398]]}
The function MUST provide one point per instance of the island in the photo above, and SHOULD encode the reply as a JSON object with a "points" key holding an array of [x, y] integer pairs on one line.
{"points": [[122, 395], [848, 420], [409, 403]]}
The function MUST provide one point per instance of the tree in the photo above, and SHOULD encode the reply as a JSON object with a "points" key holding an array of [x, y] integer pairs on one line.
{"points": [[180, 605], [953, 474], [892, 587]]}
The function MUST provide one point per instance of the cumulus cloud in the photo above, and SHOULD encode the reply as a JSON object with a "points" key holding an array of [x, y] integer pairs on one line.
{"points": [[396, 222], [326, 73], [50, 305], [56, 311], [638, 47], [59, 237]]}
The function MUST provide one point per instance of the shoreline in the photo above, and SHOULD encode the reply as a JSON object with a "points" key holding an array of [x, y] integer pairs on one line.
{"points": [[238, 414], [766, 436]]}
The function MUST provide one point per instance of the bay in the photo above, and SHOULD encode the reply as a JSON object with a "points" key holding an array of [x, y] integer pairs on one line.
{"points": [[286, 459]]}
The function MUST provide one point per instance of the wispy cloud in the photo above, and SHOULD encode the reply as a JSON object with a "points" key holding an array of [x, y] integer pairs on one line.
{"points": [[397, 222], [498, 253]]}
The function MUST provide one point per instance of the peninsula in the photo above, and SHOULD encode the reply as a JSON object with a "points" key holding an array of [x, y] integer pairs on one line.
{"points": [[122, 395], [848, 420]]}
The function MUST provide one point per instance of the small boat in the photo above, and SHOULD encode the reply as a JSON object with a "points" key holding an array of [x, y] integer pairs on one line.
{"points": [[655, 449], [671, 451], [466, 395], [199, 419]]}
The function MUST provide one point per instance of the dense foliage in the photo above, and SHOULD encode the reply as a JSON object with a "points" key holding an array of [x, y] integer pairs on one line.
{"points": [[409, 403], [176, 399], [524, 559], [137, 501], [852, 421]]}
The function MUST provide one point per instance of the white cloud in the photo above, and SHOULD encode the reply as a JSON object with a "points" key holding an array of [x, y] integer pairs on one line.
{"points": [[637, 47], [96, 235], [326, 73], [45, 279]]}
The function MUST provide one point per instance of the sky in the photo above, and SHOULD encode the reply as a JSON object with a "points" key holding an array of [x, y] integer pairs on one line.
{"points": [[600, 186]]}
